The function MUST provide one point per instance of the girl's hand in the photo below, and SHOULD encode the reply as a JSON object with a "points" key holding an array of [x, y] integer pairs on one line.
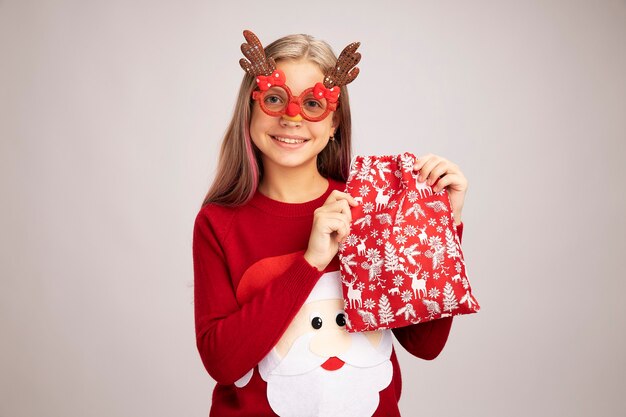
{"points": [[331, 225], [433, 168]]}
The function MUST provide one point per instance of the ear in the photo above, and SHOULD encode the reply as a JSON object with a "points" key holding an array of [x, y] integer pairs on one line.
{"points": [[336, 120]]}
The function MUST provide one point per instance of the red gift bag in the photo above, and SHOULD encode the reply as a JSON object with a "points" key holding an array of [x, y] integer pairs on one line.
{"points": [[402, 263]]}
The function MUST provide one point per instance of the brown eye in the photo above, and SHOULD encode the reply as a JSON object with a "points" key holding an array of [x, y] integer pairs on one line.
{"points": [[272, 100], [312, 104]]}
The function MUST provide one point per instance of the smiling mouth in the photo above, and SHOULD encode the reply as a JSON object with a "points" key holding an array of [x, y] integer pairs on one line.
{"points": [[292, 141]]}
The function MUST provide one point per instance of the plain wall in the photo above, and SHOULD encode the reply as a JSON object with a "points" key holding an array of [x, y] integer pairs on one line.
{"points": [[111, 116]]}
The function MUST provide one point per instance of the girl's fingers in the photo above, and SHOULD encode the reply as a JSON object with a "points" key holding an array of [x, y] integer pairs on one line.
{"points": [[331, 221], [340, 206], [453, 181], [427, 168], [342, 232], [331, 225], [442, 168], [419, 163], [444, 182], [338, 195], [338, 226]]}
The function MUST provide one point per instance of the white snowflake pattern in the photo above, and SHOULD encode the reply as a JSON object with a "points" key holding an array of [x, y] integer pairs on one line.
{"points": [[398, 280], [352, 240], [364, 190], [360, 286], [436, 275], [434, 242], [412, 196], [410, 230], [392, 205], [432, 222], [425, 275], [398, 174], [439, 229], [372, 287], [407, 296], [400, 239], [444, 220], [379, 242], [386, 234], [374, 233], [368, 207], [434, 292], [465, 283], [457, 267], [369, 304], [373, 255]]}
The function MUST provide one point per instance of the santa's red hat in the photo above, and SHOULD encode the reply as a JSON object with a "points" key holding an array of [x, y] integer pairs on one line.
{"points": [[261, 273]]}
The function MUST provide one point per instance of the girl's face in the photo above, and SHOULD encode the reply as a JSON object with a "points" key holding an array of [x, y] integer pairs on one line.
{"points": [[287, 142]]}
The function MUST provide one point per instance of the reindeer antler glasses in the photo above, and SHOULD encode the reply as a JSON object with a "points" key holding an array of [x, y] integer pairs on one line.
{"points": [[275, 97]]}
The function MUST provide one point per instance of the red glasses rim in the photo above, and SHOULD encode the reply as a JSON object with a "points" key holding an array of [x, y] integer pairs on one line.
{"points": [[258, 95]]}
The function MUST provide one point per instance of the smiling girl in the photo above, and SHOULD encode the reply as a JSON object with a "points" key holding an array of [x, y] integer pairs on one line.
{"points": [[277, 201]]}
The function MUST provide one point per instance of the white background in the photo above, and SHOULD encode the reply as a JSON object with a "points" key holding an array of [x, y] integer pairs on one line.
{"points": [[111, 115]]}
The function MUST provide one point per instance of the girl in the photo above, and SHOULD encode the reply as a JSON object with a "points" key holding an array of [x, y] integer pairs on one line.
{"points": [[266, 240]]}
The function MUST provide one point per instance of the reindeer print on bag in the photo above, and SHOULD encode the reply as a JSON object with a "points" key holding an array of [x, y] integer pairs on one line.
{"points": [[402, 263]]}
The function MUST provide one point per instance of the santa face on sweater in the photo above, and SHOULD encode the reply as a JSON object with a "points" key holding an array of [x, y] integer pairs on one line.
{"points": [[319, 369]]}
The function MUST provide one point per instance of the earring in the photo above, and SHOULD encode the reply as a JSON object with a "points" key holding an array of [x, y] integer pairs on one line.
{"points": [[332, 138]]}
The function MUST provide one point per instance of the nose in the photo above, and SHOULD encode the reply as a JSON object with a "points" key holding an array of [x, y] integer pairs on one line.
{"points": [[293, 109], [331, 343], [291, 120]]}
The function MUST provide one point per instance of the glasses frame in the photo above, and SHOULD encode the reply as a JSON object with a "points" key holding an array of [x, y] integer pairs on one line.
{"points": [[259, 96]]}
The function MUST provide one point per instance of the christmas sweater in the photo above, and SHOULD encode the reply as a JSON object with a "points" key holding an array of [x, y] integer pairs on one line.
{"points": [[271, 352]]}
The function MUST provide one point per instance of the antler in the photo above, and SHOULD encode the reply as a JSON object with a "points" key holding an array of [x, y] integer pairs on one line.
{"points": [[383, 188], [258, 63], [346, 282], [345, 70]]}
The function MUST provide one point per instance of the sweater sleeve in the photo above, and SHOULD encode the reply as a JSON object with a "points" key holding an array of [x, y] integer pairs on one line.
{"points": [[426, 340], [232, 339]]}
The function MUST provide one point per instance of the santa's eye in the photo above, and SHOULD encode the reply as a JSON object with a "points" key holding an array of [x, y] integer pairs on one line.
{"points": [[341, 319], [316, 323]]}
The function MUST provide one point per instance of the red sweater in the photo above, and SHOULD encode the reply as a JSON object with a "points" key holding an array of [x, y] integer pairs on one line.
{"points": [[232, 338]]}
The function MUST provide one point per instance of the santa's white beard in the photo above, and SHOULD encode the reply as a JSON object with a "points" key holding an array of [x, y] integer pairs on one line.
{"points": [[297, 386], [349, 391]]}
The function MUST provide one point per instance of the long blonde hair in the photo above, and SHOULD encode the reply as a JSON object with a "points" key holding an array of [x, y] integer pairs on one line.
{"points": [[240, 168]]}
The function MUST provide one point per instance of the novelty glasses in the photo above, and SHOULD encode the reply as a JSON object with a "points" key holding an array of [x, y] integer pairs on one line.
{"points": [[276, 99]]}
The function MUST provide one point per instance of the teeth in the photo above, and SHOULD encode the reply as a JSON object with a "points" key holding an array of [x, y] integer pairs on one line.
{"points": [[289, 140]]}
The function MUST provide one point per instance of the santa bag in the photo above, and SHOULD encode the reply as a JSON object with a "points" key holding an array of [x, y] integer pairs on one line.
{"points": [[402, 263]]}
